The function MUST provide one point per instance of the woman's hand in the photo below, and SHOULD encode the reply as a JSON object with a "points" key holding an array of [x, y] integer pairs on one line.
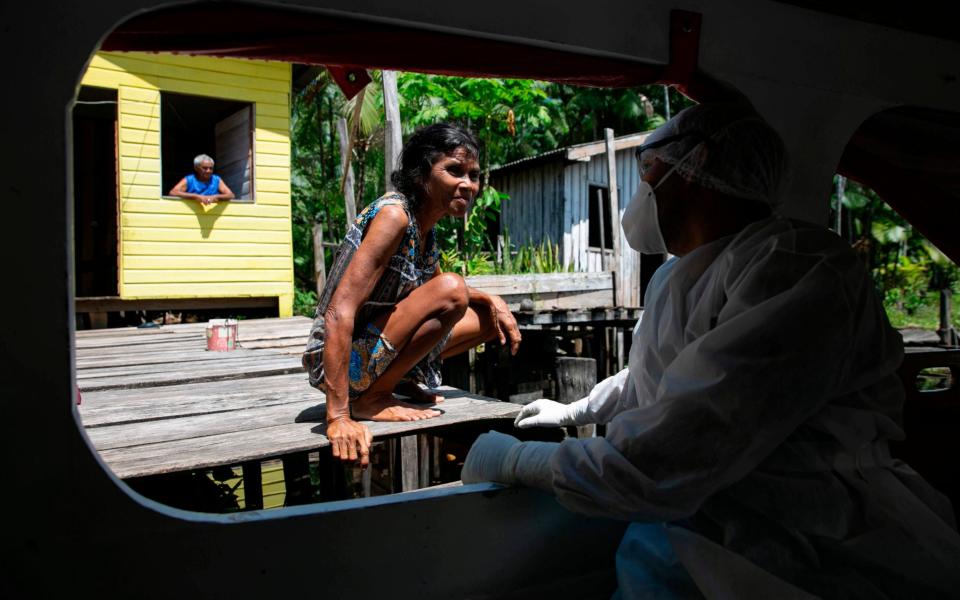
{"points": [[349, 440], [505, 323]]}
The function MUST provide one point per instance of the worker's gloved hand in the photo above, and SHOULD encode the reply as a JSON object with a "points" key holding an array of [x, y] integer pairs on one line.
{"points": [[505, 459], [487, 459], [548, 413]]}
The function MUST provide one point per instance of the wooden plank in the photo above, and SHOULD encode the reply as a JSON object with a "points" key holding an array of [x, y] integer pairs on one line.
{"points": [[586, 151], [409, 464], [194, 68], [205, 275], [614, 212], [239, 446], [119, 406], [276, 366], [197, 248], [208, 220], [140, 433], [179, 289], [151, 233], [168, 358], [187, 368], [613, 316], [226, 263], [540, 283]]}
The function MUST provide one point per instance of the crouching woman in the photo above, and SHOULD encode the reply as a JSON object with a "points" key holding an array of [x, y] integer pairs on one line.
{"points": [[387, 314]]}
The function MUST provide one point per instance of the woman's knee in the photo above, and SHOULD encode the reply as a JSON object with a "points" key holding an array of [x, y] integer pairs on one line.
{"points": [[451, 291]]}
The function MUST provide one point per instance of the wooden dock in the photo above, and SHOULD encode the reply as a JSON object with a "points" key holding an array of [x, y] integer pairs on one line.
{"points": [[155, 401]]}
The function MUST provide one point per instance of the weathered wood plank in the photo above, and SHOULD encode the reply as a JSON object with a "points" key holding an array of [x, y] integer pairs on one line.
{"points": [[219, 372], [239, 361], [613, 316], [237, 447], [541, 283], [586, 151], [167, 357], [118, 406]]}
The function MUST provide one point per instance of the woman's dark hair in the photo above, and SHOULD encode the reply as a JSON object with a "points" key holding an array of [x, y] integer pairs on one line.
{"points": [[426, 146]]}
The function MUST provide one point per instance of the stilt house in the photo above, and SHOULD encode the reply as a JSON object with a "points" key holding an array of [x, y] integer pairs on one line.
{"points": [[563, 197]]}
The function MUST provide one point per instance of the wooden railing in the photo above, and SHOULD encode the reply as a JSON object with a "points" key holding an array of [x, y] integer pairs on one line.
{"points": [[548, 291]]}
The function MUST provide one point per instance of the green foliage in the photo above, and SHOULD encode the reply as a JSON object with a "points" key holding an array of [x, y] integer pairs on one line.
{"points": [[304, 302], [512, 119], [907, 269]]}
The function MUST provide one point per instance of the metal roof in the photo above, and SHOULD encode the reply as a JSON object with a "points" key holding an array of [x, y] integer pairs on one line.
{"points": [[577, 151]]}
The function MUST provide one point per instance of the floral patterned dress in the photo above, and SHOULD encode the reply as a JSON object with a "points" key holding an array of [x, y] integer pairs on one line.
{"points": [[409, 268]]}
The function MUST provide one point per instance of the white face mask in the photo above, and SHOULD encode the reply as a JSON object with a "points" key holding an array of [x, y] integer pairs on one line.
{"points": [[640, 224]]}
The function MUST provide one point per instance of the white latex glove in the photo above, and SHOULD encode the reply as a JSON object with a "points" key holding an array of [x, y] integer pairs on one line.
{"points": [[549, 413], [505, 459]]}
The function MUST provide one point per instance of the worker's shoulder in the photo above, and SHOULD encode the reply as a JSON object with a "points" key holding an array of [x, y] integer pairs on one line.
{"points": [[790, 248], [787, 234]]}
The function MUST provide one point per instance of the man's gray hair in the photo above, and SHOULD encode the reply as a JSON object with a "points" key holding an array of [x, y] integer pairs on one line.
{"points": [[200, 159]]}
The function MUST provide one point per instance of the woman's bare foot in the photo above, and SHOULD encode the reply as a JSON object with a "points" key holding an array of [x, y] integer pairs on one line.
{"points": [[382, 406], [416, 394]]}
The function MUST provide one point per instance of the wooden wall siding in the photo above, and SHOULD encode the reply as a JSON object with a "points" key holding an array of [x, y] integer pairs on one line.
{"points": [[552, 200], [177, 248], [535, 207]]}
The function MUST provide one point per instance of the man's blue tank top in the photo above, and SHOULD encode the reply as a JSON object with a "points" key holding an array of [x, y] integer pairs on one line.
{"points": [[210, 188]]}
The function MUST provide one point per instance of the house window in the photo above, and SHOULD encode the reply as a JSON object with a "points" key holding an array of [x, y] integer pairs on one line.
{"points": [[222, 129], [599, 202]]}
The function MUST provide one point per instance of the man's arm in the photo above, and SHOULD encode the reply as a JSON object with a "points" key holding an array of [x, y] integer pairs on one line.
{"points": [[180, 191], [223, 193]]}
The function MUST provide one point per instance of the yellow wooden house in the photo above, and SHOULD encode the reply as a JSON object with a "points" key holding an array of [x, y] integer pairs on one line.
{"points": [[138, 122]]}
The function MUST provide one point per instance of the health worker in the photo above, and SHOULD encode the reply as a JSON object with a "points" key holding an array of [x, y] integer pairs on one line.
{"points": [[747, 443]]}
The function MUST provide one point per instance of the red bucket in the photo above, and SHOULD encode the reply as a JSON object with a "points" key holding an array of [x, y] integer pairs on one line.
{"points": [[221, 334]]}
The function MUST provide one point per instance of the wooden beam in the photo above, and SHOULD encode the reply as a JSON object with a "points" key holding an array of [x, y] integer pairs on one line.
{"points": [[95, 304], [613, 196], [585, 151]]}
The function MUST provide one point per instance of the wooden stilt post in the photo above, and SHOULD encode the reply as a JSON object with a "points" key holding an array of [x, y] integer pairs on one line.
{"points": [[575, 378], [252, 485], [614, 198]]}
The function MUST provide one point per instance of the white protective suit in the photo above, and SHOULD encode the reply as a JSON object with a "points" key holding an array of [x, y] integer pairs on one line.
{"points": [[747, 441]]}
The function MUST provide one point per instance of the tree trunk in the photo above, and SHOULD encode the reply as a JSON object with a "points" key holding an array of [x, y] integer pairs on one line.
{"points": [[392, 138], [350, 204]]}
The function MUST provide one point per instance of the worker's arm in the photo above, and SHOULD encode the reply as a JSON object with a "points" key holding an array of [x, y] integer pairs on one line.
{"points": [[793, 333], [349, 438]]}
